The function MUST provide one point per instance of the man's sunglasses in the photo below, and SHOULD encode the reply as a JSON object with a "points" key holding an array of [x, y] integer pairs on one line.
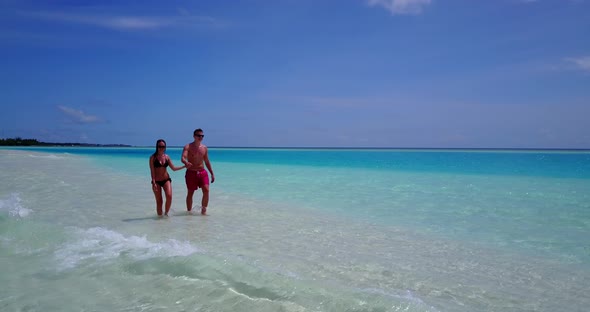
{"points": [[161, 146], [200, 135]]}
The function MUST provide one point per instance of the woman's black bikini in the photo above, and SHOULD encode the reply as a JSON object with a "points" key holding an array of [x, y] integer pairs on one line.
{"points": [[157, 164], [163, 182]]}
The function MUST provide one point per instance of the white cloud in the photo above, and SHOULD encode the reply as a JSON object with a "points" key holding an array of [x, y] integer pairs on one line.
{"points": [[401, 6], [78, 116], [128, 23], [582, 63]]}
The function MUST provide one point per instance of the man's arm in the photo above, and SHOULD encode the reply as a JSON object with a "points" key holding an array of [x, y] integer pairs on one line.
{"points": [[208, 164], [184, 157]]}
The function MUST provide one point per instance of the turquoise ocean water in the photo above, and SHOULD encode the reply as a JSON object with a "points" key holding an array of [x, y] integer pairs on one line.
{"points": [[298, 230]]}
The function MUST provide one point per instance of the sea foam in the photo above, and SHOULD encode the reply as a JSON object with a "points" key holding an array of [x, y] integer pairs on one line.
{"points": [[103, 245], [12, 206], [50, 156]]}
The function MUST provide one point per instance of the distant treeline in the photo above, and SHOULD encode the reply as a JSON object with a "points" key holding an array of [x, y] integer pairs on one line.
{"points": [[19, 142], [34, 142]]}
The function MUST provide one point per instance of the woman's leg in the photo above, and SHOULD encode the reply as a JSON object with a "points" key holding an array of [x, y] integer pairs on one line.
{"points": [[158, 195], [168, 192]]}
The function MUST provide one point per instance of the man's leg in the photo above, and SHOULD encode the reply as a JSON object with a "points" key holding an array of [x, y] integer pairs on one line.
{"points": [[189, 200], [190, 189], [205, 200]]}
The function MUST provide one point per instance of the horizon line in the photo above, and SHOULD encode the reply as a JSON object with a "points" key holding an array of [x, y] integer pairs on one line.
{"points": [[87, 145]]}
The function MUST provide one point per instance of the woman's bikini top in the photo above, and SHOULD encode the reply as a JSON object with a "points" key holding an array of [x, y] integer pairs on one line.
{"points": [[157, 163]]}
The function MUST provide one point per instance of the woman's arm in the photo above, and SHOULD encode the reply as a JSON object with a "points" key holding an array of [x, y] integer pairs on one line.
{"points": [[152, 170], [172, 165]]}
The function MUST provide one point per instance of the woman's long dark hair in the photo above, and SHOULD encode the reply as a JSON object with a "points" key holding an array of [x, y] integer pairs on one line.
{"points": [[158, 142]]}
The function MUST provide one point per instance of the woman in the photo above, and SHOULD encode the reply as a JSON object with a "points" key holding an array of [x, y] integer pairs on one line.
{"points": [[160, 178]]}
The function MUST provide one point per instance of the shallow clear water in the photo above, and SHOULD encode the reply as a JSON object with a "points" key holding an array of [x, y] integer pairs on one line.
{"points": [[298, 230]]}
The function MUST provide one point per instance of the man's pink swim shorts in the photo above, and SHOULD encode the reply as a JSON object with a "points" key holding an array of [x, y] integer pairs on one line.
{"points": [[196, 178]]}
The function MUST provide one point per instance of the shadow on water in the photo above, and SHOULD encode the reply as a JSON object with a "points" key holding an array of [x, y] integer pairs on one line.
{"points": [[155, 217], [186, 213], [203, 268], [141, 219]]}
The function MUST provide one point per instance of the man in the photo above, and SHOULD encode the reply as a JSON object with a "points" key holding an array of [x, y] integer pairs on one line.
{"points": [[194, 155]]}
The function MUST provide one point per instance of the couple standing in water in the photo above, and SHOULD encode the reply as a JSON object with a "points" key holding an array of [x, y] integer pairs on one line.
{"points": [[195, 158]]}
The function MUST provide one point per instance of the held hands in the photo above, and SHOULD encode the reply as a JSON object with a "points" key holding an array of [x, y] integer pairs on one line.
{"points": [[188, 164]]}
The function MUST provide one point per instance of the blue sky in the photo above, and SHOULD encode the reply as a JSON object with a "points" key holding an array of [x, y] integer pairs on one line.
{"points": [[349, 73]]}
